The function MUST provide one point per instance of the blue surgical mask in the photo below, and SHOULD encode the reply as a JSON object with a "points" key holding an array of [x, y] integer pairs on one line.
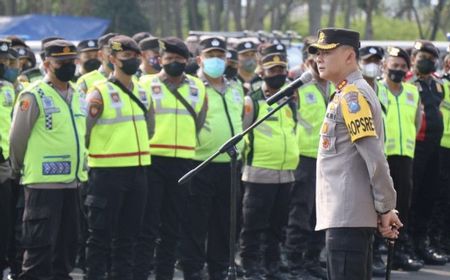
{"points": [[214, 67], [11, 74]]}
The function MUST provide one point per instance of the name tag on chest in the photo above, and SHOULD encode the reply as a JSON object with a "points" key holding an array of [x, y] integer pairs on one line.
{"points": [[116, 102], [49, 105]]}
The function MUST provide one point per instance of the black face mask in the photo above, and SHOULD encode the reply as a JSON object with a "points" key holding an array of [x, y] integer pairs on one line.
{"points": [[91, 64], [130, 66], [230, 72], [66, 72], [2, 69], [425, 66], [191, 68], [275, 82], [396, 75], [174, 69]]}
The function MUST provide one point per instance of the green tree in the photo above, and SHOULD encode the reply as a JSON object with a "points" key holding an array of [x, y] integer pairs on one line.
{"points": [[126, 16]]}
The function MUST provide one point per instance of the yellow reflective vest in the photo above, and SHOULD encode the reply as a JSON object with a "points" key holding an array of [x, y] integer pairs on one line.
{"points": [[175, 128], [274, 143], [7, 99], [56, 149], [119, 138], [401, 121], [312, 109]]}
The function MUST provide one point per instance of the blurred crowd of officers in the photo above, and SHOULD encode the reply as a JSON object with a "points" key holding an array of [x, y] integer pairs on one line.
{"points": [[94, 139]]}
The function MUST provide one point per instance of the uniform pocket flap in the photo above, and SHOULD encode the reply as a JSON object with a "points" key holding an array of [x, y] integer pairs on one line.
{"points": [[38, 213]]}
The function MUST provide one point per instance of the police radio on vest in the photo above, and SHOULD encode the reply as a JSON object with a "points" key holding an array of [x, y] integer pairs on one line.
{"points": [[290, 88]]}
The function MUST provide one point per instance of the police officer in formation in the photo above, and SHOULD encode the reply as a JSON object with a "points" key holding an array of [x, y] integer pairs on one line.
{"points": [[180, 109], [118, 129], [150, 57], [138, 122], [48, 151], [402, 124], [206, 236], [7, 98], [430, 138], [271, 156], [89, 62], [247, 63]]}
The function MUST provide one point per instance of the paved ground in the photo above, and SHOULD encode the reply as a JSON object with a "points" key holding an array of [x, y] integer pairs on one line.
{"points": [[428, 273]]}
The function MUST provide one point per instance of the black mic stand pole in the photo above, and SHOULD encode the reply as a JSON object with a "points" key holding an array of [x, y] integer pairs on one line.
{"points": [[230, 148]]}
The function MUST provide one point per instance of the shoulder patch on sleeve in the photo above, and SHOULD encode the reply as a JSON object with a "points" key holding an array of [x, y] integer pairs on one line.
{"points": [[357, 114], [24, 104]]}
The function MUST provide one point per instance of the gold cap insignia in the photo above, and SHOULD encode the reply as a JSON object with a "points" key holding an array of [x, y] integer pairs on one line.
{"points": [[66, 50], [321, 37], [276, 59], [161, 45], [116, 46], [418, 45], [393, 51]]}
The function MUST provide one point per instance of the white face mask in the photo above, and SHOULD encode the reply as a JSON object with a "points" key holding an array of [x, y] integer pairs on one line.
{"points": [[371, 70]]}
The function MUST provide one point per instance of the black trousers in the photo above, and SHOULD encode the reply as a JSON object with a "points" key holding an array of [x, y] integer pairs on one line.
{"points": [[50, 230], [265, 213], [115, 203], [349, 253], [440, 221], [401, 168], [426, 188], [6, 221], [206, 236], [166, 205], [301, 238], [84, 233], [15, 248]]}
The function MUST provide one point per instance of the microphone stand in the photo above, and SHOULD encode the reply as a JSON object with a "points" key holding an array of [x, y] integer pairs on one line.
{"points": [[229, 147]]}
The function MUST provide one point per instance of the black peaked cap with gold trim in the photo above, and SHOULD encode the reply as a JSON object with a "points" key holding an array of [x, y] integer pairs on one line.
{"points": [[274, 59], [398, 52], [60, 49], [331, 38], [121, 43]]}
